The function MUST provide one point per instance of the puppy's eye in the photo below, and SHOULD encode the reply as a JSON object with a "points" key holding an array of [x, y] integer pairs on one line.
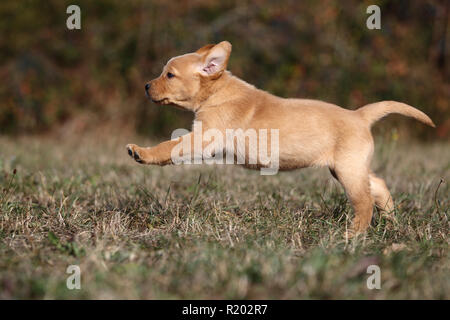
{"points": [[170, 75]]}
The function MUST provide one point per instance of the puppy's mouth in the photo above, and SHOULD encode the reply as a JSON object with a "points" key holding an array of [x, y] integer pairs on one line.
{"points": [[161, 101], [158, 101]]}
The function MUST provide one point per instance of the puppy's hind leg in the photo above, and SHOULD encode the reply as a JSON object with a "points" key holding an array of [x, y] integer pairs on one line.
{"points": [[381, 194], [355, 181]]}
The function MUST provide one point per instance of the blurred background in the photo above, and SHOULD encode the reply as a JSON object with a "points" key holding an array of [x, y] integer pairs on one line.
{"points": [[62, 82]]}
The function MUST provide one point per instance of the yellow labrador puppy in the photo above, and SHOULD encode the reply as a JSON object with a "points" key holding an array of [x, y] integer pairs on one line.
{"points": [[311, 132]]}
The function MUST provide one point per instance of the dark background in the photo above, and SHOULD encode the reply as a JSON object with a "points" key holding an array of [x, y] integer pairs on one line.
{"points": [[57, 80]]}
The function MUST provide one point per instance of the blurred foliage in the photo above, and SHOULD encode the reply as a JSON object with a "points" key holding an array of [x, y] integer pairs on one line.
{"points": [[79, 79]]}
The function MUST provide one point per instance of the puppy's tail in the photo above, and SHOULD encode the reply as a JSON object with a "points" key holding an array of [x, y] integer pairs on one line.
{"points": [[375, 111]]}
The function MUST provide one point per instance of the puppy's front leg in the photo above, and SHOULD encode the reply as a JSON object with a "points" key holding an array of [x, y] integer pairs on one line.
{"points": [[159, 155]]}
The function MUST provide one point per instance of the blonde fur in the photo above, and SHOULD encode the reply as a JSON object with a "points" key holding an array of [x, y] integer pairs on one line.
{"points": [[311, 132], [375, 111]]}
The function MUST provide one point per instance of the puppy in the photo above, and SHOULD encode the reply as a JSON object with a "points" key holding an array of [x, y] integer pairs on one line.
{"points": [[311, 132]]}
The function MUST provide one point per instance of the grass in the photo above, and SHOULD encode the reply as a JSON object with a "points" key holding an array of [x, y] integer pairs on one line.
{"points": [[213, 232]]}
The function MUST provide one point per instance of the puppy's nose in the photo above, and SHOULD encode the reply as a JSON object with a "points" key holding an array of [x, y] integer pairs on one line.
{"points": [[147, 86]]}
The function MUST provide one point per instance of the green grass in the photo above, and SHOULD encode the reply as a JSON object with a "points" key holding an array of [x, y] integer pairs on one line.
{"points": [[213, 232]]}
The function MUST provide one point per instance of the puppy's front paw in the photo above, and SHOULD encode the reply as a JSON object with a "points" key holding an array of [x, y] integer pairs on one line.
{"points": [[133, 151]]}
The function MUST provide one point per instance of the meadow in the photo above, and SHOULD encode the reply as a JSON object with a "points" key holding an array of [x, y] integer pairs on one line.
{"points": [[213, 232]]}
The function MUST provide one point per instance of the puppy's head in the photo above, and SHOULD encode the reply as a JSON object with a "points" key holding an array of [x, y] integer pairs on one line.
{"points": [[185, 78]]}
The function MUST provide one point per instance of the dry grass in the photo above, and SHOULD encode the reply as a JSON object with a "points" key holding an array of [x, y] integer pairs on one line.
{"points": [[212, 232]]}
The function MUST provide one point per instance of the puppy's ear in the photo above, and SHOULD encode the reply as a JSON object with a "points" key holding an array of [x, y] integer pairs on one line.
{"points": [[215, 59], [204, 49]]}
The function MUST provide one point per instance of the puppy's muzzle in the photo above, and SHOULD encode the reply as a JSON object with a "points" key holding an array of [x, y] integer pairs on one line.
{"points": [[147, 87]]}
